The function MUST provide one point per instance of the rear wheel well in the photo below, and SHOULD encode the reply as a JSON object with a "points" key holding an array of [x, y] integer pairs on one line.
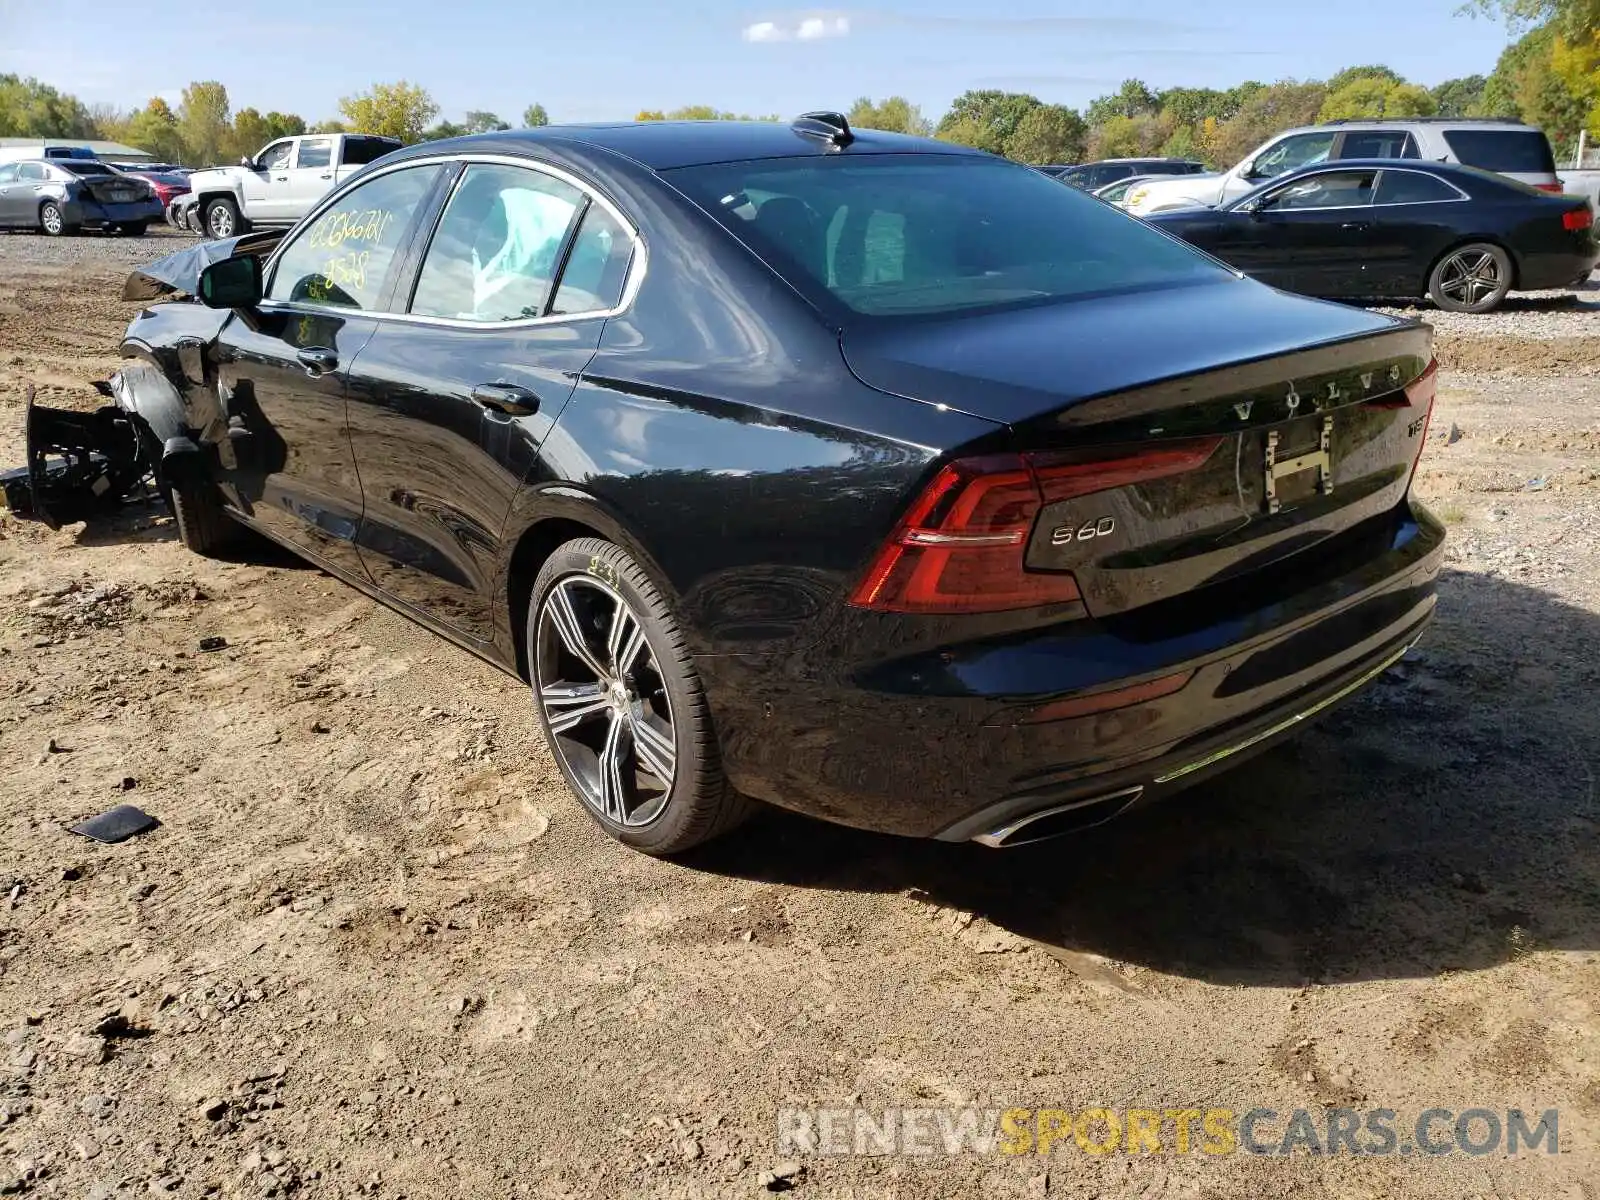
{"points": [[536, 545]]}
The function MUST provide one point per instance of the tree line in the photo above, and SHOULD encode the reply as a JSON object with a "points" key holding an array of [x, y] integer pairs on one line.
{"points": [[1549, 77]]}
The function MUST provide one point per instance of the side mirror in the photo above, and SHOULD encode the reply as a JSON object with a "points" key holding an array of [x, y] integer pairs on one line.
{"points": [[231, 283], [1247, 169], [247, 161]]}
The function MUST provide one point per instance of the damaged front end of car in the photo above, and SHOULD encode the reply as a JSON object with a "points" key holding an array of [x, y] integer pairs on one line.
{"points": [[81, 463]]}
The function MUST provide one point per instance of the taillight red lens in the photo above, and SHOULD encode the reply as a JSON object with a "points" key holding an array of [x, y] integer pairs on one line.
{"points": [[1578, 218], [961, 546], [1557, 187]]}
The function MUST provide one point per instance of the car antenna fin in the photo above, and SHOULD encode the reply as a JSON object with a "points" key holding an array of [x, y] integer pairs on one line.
{"points": [[830, 127]]}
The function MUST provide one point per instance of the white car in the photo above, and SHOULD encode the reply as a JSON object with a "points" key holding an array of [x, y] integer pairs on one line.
{"points": [[279, 185], [1506, 147]]}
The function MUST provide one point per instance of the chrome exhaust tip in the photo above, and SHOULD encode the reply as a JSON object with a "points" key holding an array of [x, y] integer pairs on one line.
{"points": [[1060, 819]]}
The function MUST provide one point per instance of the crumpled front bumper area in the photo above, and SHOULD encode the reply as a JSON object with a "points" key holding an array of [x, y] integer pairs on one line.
{"points": [[78, 463]]}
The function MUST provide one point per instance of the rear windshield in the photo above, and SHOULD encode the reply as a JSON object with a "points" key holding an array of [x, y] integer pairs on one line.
{"points": [[82, 168], [1508, 151], [919, 235]]}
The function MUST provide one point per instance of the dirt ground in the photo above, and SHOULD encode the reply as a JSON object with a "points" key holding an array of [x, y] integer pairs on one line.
{"points": [[375, 948]]}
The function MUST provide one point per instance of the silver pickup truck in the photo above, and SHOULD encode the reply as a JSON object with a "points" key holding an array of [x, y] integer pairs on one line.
{"points": [[276, 187]]}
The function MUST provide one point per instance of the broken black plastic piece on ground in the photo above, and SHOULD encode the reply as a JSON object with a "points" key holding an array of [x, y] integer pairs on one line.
{"points": [[116, 825]]}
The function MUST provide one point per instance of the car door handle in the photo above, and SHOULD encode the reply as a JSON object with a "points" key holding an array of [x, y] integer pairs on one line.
{"points": [[281, 178], [317, 360], [1356, 225], [507, 398], [324, 176]]}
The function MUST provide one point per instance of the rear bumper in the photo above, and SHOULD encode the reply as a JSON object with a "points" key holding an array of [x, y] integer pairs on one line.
{"points": [[1540, 272], [974, 757], [92, 212]]}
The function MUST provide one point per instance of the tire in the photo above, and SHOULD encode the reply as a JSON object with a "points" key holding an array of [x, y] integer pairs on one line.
{"points": [[133, 228], [203, 526], [221, 219], [53, 222], [1471, 279], [592, 713]]}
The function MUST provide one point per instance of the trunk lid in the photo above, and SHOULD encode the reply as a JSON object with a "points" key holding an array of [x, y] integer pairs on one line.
{"points": [[116, 189], [1223, 429]]}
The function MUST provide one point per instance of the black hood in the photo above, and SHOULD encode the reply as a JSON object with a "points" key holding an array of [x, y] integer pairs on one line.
{"points": [[180, 272]]}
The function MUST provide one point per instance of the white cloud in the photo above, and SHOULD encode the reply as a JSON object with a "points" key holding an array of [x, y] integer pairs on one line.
{"points": [[823, 27], [799, 28]]}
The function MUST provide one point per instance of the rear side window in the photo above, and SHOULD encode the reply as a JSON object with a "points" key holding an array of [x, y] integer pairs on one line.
{"points": [[1508, 151], [498, 246], [896, 236], [1413, 187], [359, 151], [1379, 143], [37, 171], [83, 168], [596, 267]]}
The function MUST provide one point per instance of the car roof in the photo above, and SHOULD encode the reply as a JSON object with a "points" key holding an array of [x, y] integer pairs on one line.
{"points": [[664, 145]]}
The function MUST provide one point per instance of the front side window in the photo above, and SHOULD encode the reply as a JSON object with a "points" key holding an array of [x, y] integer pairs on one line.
{"points": [[1332, 189], [276, 157], [896, 236], [342, 258], [315, 152], [1413, 187], [8, 173], [1292, 153], [498, 245]]}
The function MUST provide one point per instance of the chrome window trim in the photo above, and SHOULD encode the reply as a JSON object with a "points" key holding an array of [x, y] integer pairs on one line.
{"points": [[637, 262], [1379, 172]]}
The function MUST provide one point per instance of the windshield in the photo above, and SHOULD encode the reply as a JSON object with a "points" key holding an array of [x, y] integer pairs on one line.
{"points": [[919, 235]]}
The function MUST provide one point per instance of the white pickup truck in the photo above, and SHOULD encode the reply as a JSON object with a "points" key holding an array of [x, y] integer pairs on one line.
{"points": [[278, 186]]}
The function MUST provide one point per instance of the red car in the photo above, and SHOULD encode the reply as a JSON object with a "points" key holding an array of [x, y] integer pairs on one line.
{"points": [[168, 184]]}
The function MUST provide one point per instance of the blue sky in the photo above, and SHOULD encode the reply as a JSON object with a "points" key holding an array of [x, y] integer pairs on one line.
{"points": [[609, 58]]}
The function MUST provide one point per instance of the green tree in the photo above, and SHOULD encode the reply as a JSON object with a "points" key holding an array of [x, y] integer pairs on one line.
{"points": [[1050, 133], [1132, 99], [1269, 111], [250, 132], [1342, 79], [479, 121], [1526, 86], [154, 129], [29, 108], [1575, 20], [203, 122], [398, 110], [281, 125], [534, 116], [1373, 96], [1128, 137], [986, 119], [444, 129], [330, 126], [698, 112], [1460, 97], [894, 115]]}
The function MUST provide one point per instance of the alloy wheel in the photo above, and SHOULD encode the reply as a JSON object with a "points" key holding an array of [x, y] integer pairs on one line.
{"points": [[50, 218], [604, 700], [1470, 276], [221, 222]]}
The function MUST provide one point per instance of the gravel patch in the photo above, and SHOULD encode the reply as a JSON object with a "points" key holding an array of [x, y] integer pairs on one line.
{"points": [[1533, 315]]}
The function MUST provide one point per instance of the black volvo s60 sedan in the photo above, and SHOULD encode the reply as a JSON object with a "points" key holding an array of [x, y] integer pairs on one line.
{"points": [[859, 474], [1465, 238]]}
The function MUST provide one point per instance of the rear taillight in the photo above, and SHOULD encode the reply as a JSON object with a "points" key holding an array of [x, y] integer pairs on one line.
{"points": [[1578, 218], [1419, 393], [961, 546], [1557, 187]]}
